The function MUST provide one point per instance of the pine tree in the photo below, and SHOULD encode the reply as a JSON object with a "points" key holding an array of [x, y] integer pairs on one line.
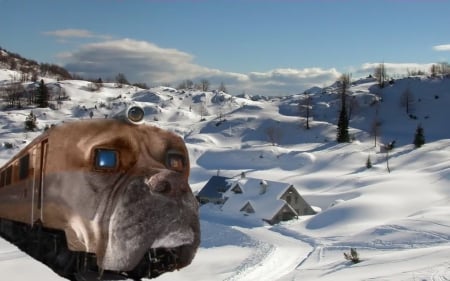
{"points": [[30, 122], [342, 134], [419, 138], [368, 163], [42, 95]]}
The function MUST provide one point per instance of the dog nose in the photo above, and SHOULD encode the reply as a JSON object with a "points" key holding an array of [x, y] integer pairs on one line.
{"points": [[168, 183]]}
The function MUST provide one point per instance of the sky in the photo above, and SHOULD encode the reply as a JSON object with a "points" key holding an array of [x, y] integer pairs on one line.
{"points": [[263, 47]]}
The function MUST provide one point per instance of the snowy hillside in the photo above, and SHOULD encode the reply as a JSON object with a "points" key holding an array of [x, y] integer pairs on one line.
{"points": [[398, 222]]}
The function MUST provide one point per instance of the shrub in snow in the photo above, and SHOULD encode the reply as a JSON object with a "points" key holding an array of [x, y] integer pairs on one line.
{"points": [[368, 163], [419, 138], [352, 256], [30, 122], [8, 145]]}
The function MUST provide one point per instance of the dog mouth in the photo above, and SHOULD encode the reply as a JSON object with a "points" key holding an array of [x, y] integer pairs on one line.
{"points": [[157, 261], [150, 234]]}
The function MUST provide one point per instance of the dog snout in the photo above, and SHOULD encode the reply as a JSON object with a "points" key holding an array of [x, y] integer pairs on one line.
{"points": [[168, 183]]}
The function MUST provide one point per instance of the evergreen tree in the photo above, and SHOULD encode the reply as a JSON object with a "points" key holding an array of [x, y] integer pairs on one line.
{"points": [[342, 134], [419, 138], [368, 163], [42, 95], [30, 122]]}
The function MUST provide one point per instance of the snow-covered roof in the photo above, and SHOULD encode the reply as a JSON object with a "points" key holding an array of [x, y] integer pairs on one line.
{"points": [[214, 187], [263, 196]]}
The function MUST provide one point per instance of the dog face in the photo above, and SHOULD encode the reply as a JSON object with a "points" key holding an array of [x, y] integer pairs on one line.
{"points": [[122, 190]]}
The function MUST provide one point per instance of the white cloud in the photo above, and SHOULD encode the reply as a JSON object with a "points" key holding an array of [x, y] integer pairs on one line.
{"points": [[442, 48], [74, 33], [146, 62], [394, 69], [291, 80]]}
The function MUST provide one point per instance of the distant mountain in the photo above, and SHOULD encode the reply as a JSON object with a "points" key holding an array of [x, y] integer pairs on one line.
{"points": [[389, 113], [30, 68]]}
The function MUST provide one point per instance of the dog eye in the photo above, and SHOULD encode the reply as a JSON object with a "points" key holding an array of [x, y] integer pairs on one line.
{"points": [[175, 162], [105, 159]]}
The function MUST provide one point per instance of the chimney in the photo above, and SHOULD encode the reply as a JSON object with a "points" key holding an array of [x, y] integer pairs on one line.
{"points": [[263, 186]]}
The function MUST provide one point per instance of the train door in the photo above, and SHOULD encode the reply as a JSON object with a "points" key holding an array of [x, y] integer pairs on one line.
{"points": [[40, 162]]}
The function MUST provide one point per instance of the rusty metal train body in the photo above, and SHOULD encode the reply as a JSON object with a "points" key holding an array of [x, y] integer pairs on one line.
{"points": [[103, 194]]}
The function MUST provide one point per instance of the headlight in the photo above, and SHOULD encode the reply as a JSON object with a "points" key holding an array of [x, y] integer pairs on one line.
{"points": [[133, 114]]}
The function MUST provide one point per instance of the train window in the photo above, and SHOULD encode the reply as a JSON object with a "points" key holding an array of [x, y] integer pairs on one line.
{"points": [[106, 159], [8, 176], [2, 178], [24, 166]]}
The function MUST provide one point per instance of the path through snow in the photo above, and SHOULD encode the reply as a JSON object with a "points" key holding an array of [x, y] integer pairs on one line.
{"points": [[277, 255]]}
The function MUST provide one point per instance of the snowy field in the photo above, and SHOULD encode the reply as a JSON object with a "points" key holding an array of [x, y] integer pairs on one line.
{"points": [[399, 222]]}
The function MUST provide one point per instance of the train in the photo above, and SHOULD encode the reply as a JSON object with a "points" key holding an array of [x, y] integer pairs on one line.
{"points": [[102, 196]]}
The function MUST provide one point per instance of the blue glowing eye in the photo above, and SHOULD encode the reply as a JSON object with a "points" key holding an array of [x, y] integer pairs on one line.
{"points": [[105, 159]]}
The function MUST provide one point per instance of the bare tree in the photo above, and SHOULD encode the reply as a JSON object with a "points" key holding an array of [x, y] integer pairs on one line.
{"points": [[222, 88], [204, 85], [375, 130], [388, 148], [442, 68], [445, 68], [121, 80], [186, 85], [407, 100], [305, 108], [274, 134], [13, 93], [203, 111], [380, 74], [435, 70], [189, 84]]}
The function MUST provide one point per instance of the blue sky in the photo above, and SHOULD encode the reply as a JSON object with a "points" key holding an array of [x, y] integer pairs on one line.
{"points": [[256, 46]]}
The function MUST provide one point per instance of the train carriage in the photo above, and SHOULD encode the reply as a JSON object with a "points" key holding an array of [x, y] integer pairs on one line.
{"points": [[102, 194]]}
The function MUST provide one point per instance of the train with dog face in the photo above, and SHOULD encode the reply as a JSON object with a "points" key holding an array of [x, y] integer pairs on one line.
{"points": [[102, 195]]}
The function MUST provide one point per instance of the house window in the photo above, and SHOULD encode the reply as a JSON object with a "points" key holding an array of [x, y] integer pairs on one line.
{"points": [[236, 189], [248, 209]]}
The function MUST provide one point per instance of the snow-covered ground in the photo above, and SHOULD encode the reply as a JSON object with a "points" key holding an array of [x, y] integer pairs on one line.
{"points": [[399, 222]]}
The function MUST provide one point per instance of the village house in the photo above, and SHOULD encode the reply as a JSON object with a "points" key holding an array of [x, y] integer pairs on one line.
{"points": [[269, 201]]}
